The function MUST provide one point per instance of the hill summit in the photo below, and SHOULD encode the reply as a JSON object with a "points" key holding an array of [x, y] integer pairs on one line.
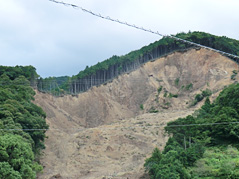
{"points": [[115, 66]]}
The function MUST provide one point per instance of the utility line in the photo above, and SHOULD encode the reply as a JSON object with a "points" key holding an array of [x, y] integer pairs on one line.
{"points": [[170, 126], [24, 129], [203, 124], [142, 28]]}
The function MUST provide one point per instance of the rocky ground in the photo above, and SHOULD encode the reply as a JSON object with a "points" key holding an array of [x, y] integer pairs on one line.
{"points": [[117, 150], [109, 131]]}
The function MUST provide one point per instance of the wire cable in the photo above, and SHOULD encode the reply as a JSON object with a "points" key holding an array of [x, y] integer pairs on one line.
{"points": [[24, 129], [142, 28], [203, 124], [156, 126]]}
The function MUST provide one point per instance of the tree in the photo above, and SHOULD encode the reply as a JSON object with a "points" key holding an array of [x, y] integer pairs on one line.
{"points": [[7, 172], [18, 147], [185, 153], [16, 156], [152, 162], [217, 163]]}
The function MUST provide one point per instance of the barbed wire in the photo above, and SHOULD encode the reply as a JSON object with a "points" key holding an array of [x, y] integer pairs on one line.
{"points": [[142, 28]]}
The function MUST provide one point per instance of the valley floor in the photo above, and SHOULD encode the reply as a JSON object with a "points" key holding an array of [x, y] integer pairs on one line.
{"points": [[117, 150]]}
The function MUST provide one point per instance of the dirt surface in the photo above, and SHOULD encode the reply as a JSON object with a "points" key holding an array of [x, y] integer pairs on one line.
{"points": [[108, 131], [117, 150]]}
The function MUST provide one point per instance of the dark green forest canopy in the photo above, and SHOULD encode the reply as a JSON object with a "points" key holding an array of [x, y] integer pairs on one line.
{"points": [[19, 147], [195, 150], [110, 68], [220, 43], [29, 72]]}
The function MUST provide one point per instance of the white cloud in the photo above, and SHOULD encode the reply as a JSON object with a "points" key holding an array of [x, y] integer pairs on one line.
{"points": [[60, 40]]}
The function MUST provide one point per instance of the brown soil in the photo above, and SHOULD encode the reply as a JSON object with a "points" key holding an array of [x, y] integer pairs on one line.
{"points": [[103, 133]]}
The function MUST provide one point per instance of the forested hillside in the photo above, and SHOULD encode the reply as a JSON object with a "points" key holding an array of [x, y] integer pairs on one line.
{"points": [[202, 145], [109, 69], [29, 72], [20, 141]]}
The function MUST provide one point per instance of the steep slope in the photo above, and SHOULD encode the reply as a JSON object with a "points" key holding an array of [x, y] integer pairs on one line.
{"points": [[120, 140], [195, 70], [115, 66], [117, 150]]}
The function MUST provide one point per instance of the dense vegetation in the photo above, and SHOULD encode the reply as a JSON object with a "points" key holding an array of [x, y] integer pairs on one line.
{"points": [[19, 146], [116, 65], [202, 145], [162, 47], [29, 72], [55, 85], [220, 43]]}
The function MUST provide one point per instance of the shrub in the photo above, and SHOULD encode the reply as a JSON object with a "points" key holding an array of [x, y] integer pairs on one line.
{"points": [[189, 86], [141, 106]]}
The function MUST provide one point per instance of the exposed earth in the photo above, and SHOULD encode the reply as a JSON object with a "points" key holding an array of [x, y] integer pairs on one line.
{"points": [[108, 131]]}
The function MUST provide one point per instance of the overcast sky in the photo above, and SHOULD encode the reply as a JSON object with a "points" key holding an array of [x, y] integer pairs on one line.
{"points": [[60, 40]]}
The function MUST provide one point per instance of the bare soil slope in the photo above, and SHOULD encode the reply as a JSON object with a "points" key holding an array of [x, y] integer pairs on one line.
{"points": [[103, 133]]}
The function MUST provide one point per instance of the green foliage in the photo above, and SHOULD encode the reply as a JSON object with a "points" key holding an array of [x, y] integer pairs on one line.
{"points": [[189, 86], [233, 77], [153, 161], [217, 163], [7, 172], [157, 95], [141, 106], [200, 97], [206, 93], [221, 43], [167, 104], [18, 154], [176, 82], [172, 95], [160, 89], [224, 109], [184, 155], [165, 165], [153, 110], [116, 65], [19, 147], [55, 85], [29, 72], [165, 94]]}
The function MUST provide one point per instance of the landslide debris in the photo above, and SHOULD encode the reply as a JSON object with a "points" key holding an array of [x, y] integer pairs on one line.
{"points": [[108, 131]]}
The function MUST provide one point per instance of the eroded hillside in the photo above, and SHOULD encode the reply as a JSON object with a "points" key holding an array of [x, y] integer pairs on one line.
{"points": [[108, 130]]}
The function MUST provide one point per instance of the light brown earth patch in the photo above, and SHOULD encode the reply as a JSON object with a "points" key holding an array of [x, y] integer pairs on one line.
{"points": [[108, 132]]}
